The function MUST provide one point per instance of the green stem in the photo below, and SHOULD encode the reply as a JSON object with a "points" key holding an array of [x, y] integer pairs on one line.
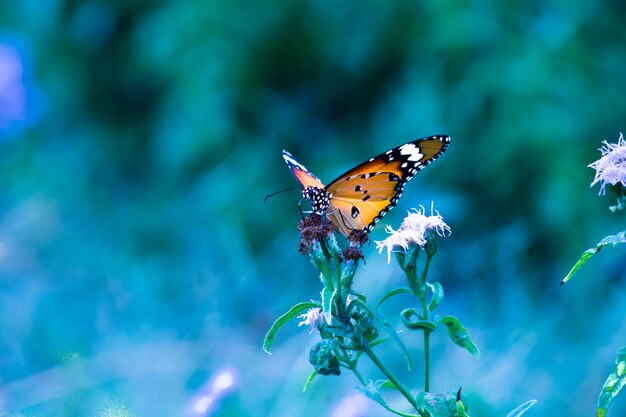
{"points": [[426, 268], [352, 366], [338, 268], [339, 305], [414, 283], [332, 272], [326, 274], [426, 360], [324, 266], [358, 374], [425, 317], [332, 252], [336, 274], [368, 350]]}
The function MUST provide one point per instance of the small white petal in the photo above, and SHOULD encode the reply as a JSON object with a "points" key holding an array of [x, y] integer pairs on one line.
{"points": [[412, 231], [313, 318], [611, 167]]}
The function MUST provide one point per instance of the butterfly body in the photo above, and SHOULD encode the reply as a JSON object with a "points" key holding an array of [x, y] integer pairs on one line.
{"points": [[359, 198], [319, 198]]}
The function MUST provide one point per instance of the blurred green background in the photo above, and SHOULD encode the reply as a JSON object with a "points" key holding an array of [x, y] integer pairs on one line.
{"points": [[140, 268]]}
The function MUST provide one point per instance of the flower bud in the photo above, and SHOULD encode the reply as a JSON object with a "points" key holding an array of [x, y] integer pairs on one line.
{"points": [[365, 324], [323, 358], [357, 238], [619, 192], [431, 242]]}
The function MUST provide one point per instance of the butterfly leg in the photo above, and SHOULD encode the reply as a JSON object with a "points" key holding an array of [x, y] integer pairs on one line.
{"points": [[343, 220], [302, 213]]}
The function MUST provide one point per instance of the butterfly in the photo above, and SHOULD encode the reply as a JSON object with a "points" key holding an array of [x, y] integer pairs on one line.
{"points": [[359, 198]]}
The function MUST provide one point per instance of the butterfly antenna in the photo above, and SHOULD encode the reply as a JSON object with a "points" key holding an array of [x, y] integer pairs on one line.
{"points": [[299, 211], [281, 191]]}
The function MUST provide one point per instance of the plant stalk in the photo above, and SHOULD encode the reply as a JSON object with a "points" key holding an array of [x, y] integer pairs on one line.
{"points": [[426, 360], [425, 317], [426, 268], [368, 350]]}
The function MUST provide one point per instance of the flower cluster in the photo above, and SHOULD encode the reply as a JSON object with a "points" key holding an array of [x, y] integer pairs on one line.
{"points": [[316, 319], [340, 318], [414, 230], [348, 327], [312, 229], [611, 168]]}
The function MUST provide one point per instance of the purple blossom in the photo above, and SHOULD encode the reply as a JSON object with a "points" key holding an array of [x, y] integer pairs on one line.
{"points": [[314, 318], [611, 167]]}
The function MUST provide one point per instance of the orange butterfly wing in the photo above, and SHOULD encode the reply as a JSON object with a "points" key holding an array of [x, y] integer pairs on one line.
{"points": [[361, 202], [363, 195]]}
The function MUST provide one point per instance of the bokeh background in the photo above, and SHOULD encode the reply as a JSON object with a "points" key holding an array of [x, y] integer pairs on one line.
{"points": [[140, 268]]}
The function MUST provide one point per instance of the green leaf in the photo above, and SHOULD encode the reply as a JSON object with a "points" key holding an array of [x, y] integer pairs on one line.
{"points": [[309, 380], [518, 411], [613, 384], [359, 295], [437, 298], [379, 341], [611, 240], [459, 334], [389, 331], [386, 384], [581, 261], [282, 320], [413, 321], [461, 409], [392, 293], [375, 343], [441, 405], [372, 391], [327, 302]]}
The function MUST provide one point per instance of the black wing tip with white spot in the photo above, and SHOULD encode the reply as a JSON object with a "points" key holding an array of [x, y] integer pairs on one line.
{"points": [[409, 171], [293, 164], [441, 137], [412, 156], [445, 139], [291, 161]]}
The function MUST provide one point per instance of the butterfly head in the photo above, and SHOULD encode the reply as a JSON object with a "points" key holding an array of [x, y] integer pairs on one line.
{"points": [[318, 198]]}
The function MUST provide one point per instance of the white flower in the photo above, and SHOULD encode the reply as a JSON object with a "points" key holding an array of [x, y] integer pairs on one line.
{"points": [[611, 168], [413, 231], [314, 318]]}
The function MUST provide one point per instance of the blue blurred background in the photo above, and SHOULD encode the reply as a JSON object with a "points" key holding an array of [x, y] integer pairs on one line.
{"points": [[140, 268]]}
